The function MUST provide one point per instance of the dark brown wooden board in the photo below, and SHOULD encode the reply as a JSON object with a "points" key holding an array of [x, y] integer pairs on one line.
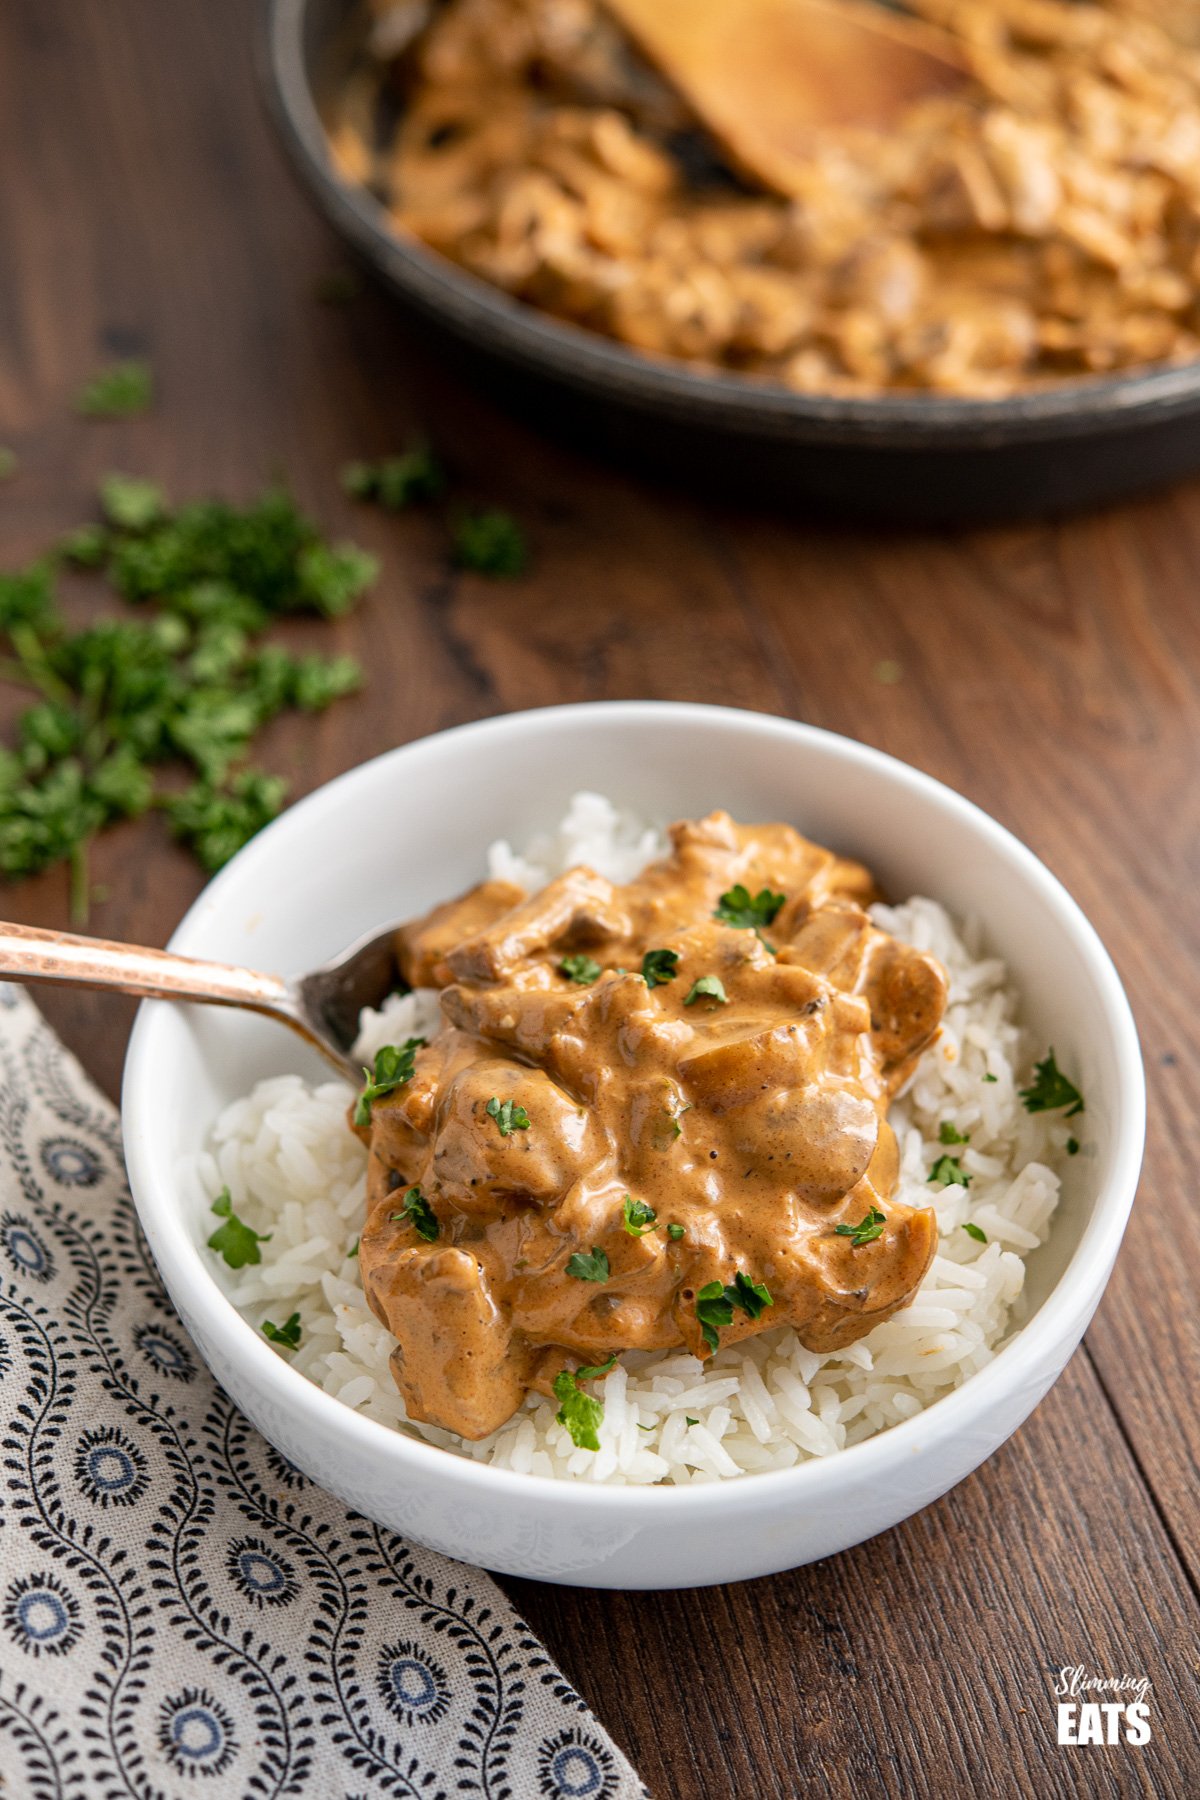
{"points": [[1050, 672]]}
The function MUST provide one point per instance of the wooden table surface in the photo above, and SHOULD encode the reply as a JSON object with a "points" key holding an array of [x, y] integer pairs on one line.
{"points": [[1050, 671]]}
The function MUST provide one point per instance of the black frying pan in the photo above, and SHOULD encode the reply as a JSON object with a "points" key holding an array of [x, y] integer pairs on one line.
{"points": [[906, 459]]}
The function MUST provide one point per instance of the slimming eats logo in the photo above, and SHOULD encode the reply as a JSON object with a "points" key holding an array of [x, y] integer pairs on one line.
{"points": [[1102, 1709]]}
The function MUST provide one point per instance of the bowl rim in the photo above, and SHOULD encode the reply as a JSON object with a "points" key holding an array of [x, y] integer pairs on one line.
{"points": [[1022, 1362], [540, 343]]}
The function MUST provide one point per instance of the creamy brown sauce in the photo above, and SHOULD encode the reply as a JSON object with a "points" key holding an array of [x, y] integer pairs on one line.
{"points": [[754, 1126]]}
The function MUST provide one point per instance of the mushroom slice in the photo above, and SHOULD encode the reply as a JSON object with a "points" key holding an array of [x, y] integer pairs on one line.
{"points": [[422, 944], [577, 910]]}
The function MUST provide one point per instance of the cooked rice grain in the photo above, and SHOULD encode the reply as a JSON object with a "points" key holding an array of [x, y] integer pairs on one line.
{"points": [[294, 1170]]}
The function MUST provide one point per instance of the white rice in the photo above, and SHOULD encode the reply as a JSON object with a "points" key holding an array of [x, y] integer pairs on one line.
{"points": [[294, 1170]]}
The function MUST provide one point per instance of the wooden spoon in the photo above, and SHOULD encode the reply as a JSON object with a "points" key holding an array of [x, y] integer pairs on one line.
{"points": [[766, 76]]}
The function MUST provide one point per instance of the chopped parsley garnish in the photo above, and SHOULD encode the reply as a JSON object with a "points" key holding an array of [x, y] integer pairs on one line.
{"points": [[397, 481], [131, 503], [1072, 1146], [353, 1250], [638, 1217], [393, 1067], [713, 1309], [589, 1266], [236, 1241], [332, 576], [950, 1172], [975, 1231], [491, 543], [190, 683], [688, 1419], [869, 1227], [1051, 1090], [659, 967], [645, 1428], [988, 1077], [751, 1296], [87, 546], [418, 1211], [708, 987], [739, 907], [581, 969], [675, 1232], [578, 1412], [215, 818], [116, 392], [287, 1335], [670, 1128], [949, 1134], [508, 1116], [715, 1304]]}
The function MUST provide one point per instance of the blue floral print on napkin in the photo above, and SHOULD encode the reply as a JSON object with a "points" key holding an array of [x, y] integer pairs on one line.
{"points": [[182, 1613]]}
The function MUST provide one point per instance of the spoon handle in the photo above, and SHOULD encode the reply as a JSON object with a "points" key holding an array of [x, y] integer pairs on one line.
{"points": [[30, 954]]}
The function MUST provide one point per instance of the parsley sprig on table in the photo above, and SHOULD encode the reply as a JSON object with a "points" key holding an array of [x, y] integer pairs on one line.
{"points": [[117, 391], [490, 542], [484, 539], [182, 677], [215, 819], [397, 481]]}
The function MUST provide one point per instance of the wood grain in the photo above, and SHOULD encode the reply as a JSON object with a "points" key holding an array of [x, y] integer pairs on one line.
{"points": [[1051, 672]]}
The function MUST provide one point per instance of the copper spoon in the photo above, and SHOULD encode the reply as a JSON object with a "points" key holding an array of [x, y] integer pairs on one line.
{"points": [[766, 76], [323, 1006]]}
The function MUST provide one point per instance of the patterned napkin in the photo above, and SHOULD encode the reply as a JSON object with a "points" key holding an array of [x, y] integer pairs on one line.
{"points": [[181, 1611]]}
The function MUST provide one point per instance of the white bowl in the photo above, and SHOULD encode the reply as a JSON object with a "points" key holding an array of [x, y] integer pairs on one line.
{"points": [[411, 827]]}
